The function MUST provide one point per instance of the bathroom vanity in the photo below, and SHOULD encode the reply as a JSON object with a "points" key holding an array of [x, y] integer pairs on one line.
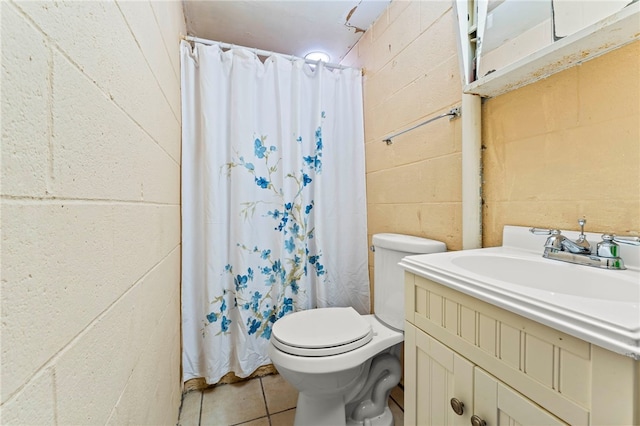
{"points": [[480, 350]]}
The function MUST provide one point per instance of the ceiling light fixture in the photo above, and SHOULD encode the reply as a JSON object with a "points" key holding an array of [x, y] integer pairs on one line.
{"points": [[317, 56]]}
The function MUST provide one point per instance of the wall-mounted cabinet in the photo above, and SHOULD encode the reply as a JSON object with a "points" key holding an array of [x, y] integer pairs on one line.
{"points": [[512, 47], [505, 368]]}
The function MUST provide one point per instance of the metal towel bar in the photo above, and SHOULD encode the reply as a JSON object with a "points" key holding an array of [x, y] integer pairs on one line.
{"points": [[453, 113]]}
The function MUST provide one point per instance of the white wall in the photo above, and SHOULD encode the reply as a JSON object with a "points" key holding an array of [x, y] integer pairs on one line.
{"points": [[90, 196]]}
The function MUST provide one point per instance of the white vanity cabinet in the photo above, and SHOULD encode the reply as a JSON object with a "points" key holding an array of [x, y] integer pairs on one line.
{"points": [[506, 369], [441, 375]]}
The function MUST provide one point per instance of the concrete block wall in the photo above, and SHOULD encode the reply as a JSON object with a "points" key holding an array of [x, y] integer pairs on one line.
{"points": [[554, 151], [90, 197], [564, 148], [411, 73]]}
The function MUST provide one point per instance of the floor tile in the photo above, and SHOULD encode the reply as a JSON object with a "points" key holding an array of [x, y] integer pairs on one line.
{"points": [[398, 414], [280, 395], [263, 421], [232, 404], [284, 418], [243, 404], [397, 394], [190, 410]]}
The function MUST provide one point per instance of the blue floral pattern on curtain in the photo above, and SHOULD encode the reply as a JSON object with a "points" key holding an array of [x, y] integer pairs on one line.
{"points": [[291, 219]]}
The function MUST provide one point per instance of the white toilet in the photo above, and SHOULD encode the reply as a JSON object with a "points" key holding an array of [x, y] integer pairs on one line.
{"points": [[344, 364]]}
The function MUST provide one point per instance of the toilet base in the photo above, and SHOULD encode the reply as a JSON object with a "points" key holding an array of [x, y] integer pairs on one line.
{"points": [[369, 407], [384, 419], [330, 411], [319, 411]]}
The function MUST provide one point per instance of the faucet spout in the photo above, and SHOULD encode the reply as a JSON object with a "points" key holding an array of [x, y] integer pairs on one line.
{"points": [[576, 247]]}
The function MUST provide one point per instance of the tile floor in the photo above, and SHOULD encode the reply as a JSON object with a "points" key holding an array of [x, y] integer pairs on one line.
{"points": [[263, 401]]}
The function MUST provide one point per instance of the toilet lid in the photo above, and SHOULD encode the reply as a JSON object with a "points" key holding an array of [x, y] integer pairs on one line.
{"points": [[321, 332]]}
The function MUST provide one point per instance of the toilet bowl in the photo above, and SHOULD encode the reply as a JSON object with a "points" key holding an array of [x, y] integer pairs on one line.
{"points": [[344, 364]]}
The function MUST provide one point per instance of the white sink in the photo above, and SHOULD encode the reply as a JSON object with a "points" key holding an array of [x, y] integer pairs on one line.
{"points": [[553, 276], [597, 305]]}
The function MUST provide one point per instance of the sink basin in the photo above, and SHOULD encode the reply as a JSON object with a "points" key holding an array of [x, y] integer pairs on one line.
{"points": [[597, 305], [552, 276]]}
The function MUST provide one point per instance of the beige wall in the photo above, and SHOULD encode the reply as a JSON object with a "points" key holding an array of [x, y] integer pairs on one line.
{"points": [[566, 147], [90, 212], [411, 73]]}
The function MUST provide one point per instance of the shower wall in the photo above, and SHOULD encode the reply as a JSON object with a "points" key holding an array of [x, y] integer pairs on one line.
{"points": [[90, 212]]}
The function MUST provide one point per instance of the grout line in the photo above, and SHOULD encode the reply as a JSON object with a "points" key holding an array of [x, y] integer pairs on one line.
{"points": [[55, 395], [264, 398], [50, 183], [413, 163], [135, 39], [166, 48], [11, 199], [200, 410], [251, 420], [401, 407], [67, 346], [180, 408], [396, 402], [54, 45], [282, 411]]}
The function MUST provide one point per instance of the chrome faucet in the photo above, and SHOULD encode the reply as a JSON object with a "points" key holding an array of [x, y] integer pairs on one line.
{"points": [[559, 247], [581, 245]]}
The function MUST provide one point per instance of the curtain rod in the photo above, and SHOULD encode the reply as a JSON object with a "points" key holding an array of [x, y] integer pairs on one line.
{"points": [[260, 52], [453, 112]]}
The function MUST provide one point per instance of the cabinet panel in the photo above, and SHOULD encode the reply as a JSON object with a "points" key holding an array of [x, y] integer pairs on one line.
{"points": [[498, 404], [539, 360], [533, 359], [468, 324], [451, 316], [520, 366], [434, 375], [487, 334], [510, 346]]}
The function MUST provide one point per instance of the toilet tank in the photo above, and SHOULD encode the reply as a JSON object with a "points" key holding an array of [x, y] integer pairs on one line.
{"points": [[388, 277]]}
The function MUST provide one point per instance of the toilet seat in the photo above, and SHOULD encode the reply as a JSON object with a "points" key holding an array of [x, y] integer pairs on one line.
{"points": [[321, 332]]}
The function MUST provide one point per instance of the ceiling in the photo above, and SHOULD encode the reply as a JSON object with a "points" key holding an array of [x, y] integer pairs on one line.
{"points": [[293, 27]]}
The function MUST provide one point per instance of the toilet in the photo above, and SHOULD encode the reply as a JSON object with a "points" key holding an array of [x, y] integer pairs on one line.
{"points": [[344, 364]]}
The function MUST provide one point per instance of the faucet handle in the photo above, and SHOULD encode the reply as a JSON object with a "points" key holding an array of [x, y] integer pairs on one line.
{"points": [[634, 241], [608, 247], [554, 242], [543, 231], [582, 237]]}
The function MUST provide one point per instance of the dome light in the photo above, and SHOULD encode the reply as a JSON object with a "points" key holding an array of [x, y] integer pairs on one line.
{"points": [[317, 56]]}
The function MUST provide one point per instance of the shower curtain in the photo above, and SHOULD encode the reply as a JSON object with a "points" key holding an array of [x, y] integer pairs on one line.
{"points": [[273, 201]]}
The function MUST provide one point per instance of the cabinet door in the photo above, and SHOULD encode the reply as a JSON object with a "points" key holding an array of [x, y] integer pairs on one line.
{"points": [[498, 404], [434, 375]]}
